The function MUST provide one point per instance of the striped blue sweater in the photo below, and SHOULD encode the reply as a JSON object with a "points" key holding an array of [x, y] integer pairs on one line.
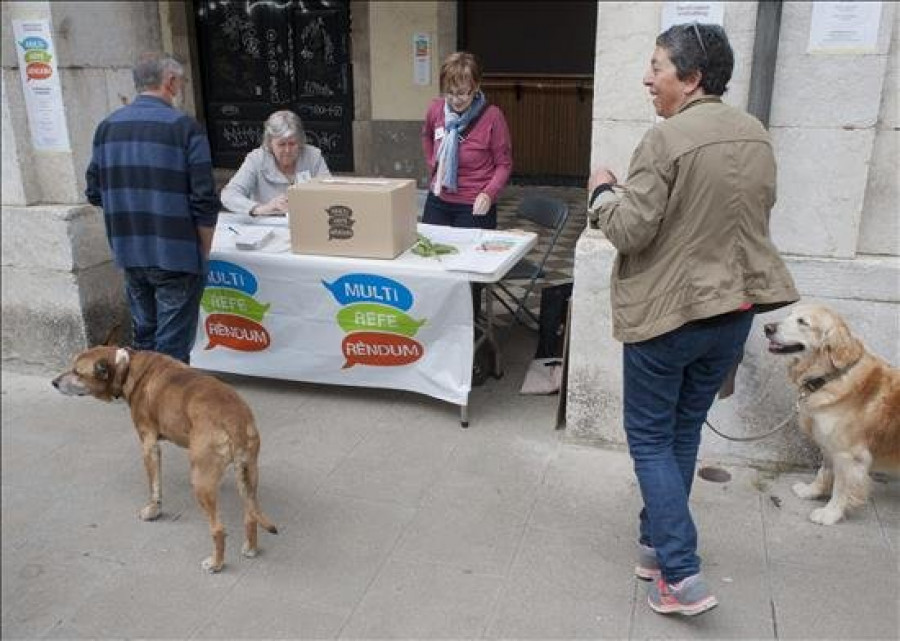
{"points": [[151, 172]]}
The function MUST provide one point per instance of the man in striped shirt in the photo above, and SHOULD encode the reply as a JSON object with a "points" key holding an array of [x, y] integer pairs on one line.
{"points": [[151, 172]]}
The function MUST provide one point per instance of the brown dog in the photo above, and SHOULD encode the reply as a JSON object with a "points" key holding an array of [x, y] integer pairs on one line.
{"points": [[169, 401], [849, 405]]}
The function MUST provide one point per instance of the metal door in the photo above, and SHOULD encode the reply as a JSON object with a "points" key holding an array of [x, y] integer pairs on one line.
{"points": [[261, 57]]}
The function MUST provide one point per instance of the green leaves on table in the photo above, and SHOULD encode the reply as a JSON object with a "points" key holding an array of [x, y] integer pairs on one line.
{"points": [[427, 249]]}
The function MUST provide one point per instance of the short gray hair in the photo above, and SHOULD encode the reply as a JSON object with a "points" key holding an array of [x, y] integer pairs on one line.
{"points": [[281, 124], [702, 48], [152, 68]]}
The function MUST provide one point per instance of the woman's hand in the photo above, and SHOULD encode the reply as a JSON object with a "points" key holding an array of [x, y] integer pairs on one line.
{"points": [[481, 205], [275, 207]]}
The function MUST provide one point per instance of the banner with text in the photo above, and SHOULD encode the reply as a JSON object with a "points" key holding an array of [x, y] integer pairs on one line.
{"points": [[370, 328], [40, 84]]}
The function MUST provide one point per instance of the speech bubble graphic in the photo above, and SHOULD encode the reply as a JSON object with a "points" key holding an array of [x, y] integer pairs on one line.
{"points": [[37, 55], [236, 332], [38, 70], [229, 301], [34, 42], [369, 288], [372, 316], [225, 274], [380, 350], [340, 233]]}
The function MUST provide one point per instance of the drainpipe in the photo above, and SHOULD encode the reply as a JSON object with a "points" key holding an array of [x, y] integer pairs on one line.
{"points": [[765, 55]]}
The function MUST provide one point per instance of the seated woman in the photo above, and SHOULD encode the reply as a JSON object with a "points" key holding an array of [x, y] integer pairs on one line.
{"points": [[259, 188], [467, 148]]}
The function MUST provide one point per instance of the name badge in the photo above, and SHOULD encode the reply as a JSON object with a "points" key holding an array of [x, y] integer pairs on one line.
{"points": [[438, 133], [304, 176]]}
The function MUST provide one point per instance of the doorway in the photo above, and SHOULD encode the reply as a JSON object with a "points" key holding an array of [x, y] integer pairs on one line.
{"points": [[538, 63]]}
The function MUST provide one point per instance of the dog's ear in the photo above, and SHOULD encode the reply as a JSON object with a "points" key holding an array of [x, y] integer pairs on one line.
{"points": [[114, 336], [843, 350], [123, 363]]}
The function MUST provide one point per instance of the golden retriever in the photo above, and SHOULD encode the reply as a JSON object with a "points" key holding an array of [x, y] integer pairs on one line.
{"points": [[849, 405], [169, 401]]}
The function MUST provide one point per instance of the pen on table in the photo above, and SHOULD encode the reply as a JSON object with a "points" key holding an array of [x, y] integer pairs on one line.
{"points": [[233, 230]]}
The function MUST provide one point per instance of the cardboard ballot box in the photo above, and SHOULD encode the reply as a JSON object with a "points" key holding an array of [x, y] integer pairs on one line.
{"points": [[359, 217]]}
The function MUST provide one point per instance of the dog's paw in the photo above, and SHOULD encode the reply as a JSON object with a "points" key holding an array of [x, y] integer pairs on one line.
{"points": [[805, 491], [247, 551], [826, 516], [150, 512], [210, 566]]}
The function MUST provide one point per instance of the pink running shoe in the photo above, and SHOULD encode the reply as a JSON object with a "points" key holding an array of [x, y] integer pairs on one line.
{"points": [[647, 567], [689, 596]]}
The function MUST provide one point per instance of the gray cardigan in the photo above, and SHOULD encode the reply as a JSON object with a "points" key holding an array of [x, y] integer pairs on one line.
{"points": [[259, 180]]}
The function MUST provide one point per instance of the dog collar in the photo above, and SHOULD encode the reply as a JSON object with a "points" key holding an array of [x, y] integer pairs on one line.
{"points": [[813, 385]]}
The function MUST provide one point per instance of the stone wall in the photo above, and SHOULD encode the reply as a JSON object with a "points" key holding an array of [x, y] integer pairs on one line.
{"points": [[60, 289], [834, 127]]}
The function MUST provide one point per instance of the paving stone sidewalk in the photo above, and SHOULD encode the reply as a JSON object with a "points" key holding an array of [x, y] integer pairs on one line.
{"points": [[397, 524]]}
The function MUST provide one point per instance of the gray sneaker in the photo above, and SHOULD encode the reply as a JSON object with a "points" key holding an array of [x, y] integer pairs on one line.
{"points": [[647, 567], [689, 596]]}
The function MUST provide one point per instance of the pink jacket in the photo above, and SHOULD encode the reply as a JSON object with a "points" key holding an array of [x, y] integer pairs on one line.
{"points": [[485, 157]]}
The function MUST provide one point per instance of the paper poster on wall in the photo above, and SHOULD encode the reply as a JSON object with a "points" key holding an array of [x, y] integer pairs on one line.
{"points": [[844, 27], [422, 59], [40, 83], [681, 12]]}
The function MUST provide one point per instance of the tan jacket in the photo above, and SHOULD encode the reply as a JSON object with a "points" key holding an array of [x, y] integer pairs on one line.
{"points": [[691, 225]]}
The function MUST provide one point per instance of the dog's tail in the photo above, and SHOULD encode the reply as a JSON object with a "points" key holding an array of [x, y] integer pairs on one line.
{"points": [[246, 484], [264, 521]]}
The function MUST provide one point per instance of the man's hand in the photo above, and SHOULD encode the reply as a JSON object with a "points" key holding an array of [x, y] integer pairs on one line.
{"points": [[205, 235], [275, 207], [481, 205], [599, 176]]}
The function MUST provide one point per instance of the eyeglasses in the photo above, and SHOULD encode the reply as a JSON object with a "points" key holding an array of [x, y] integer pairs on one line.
{"points": [[700, 40], [459, 95]]}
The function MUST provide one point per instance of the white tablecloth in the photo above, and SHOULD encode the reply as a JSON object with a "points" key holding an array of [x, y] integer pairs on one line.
{"points": [[403, 324]]}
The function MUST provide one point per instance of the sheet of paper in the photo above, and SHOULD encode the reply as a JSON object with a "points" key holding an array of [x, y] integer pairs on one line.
{"points": [[249, 237], [422, 59], [844, 27], [479, 251], [685, 12], [41, 86]]}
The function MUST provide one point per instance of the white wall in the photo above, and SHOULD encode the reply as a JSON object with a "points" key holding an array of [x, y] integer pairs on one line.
{"points": [[61, 290], [879, 231], [823, 121]]}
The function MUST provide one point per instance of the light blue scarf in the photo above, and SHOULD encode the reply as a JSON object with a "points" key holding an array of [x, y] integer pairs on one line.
{"points": [[448, 152]]}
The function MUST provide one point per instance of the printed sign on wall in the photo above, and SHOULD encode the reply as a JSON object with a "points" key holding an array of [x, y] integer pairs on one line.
{"points": [[40, 83], [422, 59], [844, 27], [684, 12]]}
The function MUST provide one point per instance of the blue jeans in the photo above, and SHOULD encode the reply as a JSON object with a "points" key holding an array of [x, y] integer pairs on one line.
{"points": [[440, 212], [670, 383], [165, 306]]}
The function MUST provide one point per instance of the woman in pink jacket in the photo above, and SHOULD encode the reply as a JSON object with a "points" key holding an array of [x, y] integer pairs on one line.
{"points": [[467, 148]]}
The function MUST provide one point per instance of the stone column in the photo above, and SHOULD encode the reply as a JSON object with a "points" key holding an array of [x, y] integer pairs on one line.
{"points": [[60, 289]]}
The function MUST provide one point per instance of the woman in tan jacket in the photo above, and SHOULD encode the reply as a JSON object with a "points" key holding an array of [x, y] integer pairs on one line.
{"points": [[694, 260]]}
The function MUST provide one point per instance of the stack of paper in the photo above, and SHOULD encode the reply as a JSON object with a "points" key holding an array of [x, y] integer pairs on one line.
{"points": [[250, 237]]}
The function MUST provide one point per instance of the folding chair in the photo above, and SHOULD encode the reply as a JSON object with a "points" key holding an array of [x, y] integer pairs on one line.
{"points": [[550, 214]]}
